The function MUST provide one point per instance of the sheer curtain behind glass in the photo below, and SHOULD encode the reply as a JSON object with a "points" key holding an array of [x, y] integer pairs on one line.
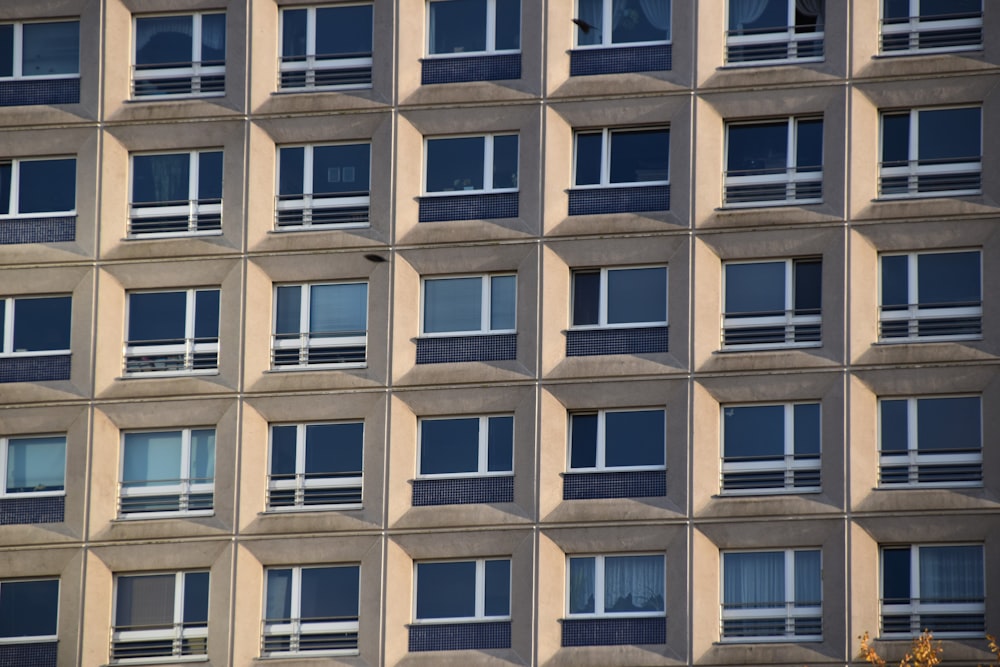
{"points": [[338, 309], [145, 602], [633, 583], [951, 574], [753, 580]]}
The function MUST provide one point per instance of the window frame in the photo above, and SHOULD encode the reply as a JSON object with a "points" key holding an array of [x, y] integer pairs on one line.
{"points": [[301, 483], [603, 299], [17, 53], [185, 487], [15, 186], [601, 444], [7, 331], [195, 70], [607, 7], [792, 176], [483, 448], [480, 593], [295, 627], [312, 205], [193, 209], [491, 34], [488, 165], [5, 442], [305, 342], [189, 348], [915, 26], [599, 588], [311, 64], [485, 304], [606, 141], [31, 639], [791, 41], [177, 633]]}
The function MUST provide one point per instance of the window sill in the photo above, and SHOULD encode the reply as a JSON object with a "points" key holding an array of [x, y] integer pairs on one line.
{"points": [[922, 196], [298, 229], [170, 235], [291, 368], [281, 92], [785, 62], [157, 516], [927, 339], [926, 52], [770, 493], [277, 511], [731, 641], [168, 374], [172, 98], [742, 206]]}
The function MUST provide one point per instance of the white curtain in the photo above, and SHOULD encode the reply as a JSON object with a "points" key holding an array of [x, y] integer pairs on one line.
{"points": [[657, 13], [590, 12], [951, 574], [808, 578], [277, 607], [753, 579], [202, 455], [581, 585], [150, 33], [145, 601], [633, 583], [742, 12]]}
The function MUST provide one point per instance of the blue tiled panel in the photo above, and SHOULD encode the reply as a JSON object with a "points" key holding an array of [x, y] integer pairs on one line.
{"points": [[601, 201], [38, 230], [34, 369], [460, 636], [463, 491], [471, 68], [619, 60], [40, 91], [613, 631], [632, 484], [41, 654], [488, 347], [47, 509], [641, 340], [469, 207]]}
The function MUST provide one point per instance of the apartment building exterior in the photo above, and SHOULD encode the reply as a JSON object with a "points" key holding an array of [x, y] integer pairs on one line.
{"points": [[497, 332]]}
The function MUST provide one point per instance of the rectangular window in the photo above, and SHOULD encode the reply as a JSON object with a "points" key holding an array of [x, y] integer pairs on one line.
{"points": [[176, 193], [320, 325], [316, 466], [931, 152], [160, 616], [468, 27], [616, 586], [772, 304], [774, 162], [29, 610], [931, 296], [771, 448], [326, 48], [772, 32], [932, 441], [35, 326], [620, 297], [469, 305], [471, 165], [311, 610], [940, 588], [604, 23], [617, 439], [33, 466], [37, 188], [931, 26], [180, 55], [172, 332], [323, 186], [466, 446], [43, 50], [613, 158], [470, 590], [166, 473], [772, 595]]}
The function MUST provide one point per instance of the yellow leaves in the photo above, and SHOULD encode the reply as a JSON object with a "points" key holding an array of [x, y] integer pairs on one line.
{"points": [[924, 652]]}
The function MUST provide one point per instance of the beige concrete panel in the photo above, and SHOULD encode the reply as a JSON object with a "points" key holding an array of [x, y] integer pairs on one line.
{"points": [[408, 407], [416, 264], [260, 412], [714, 394], [414, 126], [711, 253], [413, 48], [559, 400], [119, 56], [561, 258], [564, 118], [268, 135], [117, 280], [78, 282], [705, 585], [557, 545], [265, 273]]}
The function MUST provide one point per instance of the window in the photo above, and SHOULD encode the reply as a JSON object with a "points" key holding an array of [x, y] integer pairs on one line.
{"points": [[29, 610], [326, 48], [931, 26], [772, 304], [612, 158], [37, 188], [470, 590], [932, 441], [617, 439], [316, 466], [940, 588], [772, 595], [33, 466], [317, 325], [311, 609], [180, 55], [931, 152], [616, 586], [472, 164], [774, 162], [160, 616], [931, 296], [604, 23], [172, 332], [469, 305], [39, 50], [176, 193], [771, 448], [470, 446], [463, 27], [167, 473], [620, 297], [35, 326], [775, 31], [323, 186]]}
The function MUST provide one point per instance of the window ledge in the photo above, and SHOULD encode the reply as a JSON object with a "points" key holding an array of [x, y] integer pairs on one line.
{"points": [[312, 509], [169, 98], [766, 493], [925, 341], [156, 375], [771, 63], [315, 367], [159, 516], [298, 229], [170, 235], [767, 348]]}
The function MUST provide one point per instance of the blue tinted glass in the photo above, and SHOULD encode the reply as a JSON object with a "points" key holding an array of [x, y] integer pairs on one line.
{"points": [[583, 444], [503, 302], [950, 574], [47, 185], [505, 161], [591, 16], [808, 285], [42, 324], [5, 176], [457, 26], [949, 423], [950, 134], [808, 578], [51, 48], [454, 304], [449, 446], [341, 308], [807, 428], [896, 9], [755, 288], [338, 169], [581, 585], [508, 21], [895, 137], [334, 448], [202, 464], [344, 31], [29, 608], [948, 278], [161, 178], [278, 605], [152, 459], [588, 158], [758, 148], [501, 444], [210, 175], [640, 21], [290, 170], [753, 431], [639, 156], [895, 281], [330, 593], [36, 464], [446, 590], [206, 313], [637, 295], [948, 8], [893, 425], [7, 50], [809, 144], [634, 438], [586, 297], [293, 32], [288, 313], [896, 575], [497, 593], [757, 15], [755, 579], [283, 450], [196, 597], [163, 40], [455, 164], [213, 38]]}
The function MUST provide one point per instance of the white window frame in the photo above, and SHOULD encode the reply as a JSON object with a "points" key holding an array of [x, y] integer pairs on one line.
{"points": [[486, 306], [7, 333], [480, 613], [187, 349], [184, 488], [195, 70], [295, 628], [309, 204], [4, 455], [788, 36], [193, 209], [14, 203], [300, 484], [487, 165], [313, 64], [17, 64], [791, 177], [483, 451], [177, 633], [491, 35], [602, 317], [606, 35], [599, 602], [606, 138], [31, 639], [917, 26], [305, 341], [601, 457]]}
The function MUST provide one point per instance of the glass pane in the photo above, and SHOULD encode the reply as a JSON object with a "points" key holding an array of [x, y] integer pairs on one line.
{"points": [[508, 19], [29, 608], [634, 438], [895, 280], [213, 38], [895, 137], [949, 8], [591, 14], [163, 40], [278, 601], [51, 48], [583, 441], [446, 590], [948, 278], [808, 285], [639, 157], [753, 580], [288, 313], [340, 169], [290, 170], [809, 145], [810, 17], [497, 594], [633, 583], [808, 578], [637, 295], [951, 574], [283, 450], [896, 575], [36, 464], [152, 459], [893, 425], [42, 324], [210, 175], [206, 314], [761, 148], [7, 50], [807, 428], [950, 134], [202, 455], [5, 176], [896, 9], [47, 186], [748, 16], [581, 585], [344, 31], [588, 157], [293, 32], [753, 432], [338, 309], [145, 602], [755, 288], [503, 302], [454, 304], [949, 423], [156, 316], [457, 26], [505, 162], [455, 164], [334, 449], [640, 21], [330, 593], [500, 453], [161, 178], [196, 598], [586, 297], [449, 446]]}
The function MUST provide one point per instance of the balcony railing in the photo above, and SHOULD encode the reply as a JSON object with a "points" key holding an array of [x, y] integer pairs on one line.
{"points": [[789, 328], [325, 71], [168, 496], [316, 348], [184, 355], [179, 79], [797, 621], [773, 186], [770, 474], [931, 321], [137, 643], [945, 32], [315, 489], [945, 617], [771, 46], [936, 177], [343, 209], [333, 635], [932, 467], [174, 218]]}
